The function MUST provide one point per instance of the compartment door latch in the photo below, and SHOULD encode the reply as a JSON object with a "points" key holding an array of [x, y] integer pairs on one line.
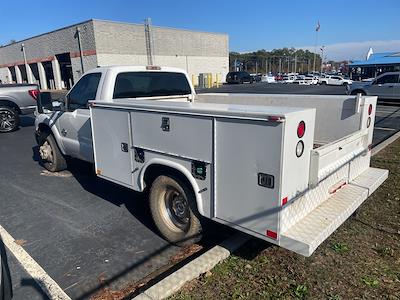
{"points": [[266, 180]]}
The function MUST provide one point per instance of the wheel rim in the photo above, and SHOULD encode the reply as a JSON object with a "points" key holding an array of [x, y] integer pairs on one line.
{"points": [[7, 120], [46, 152], [177, 208]]}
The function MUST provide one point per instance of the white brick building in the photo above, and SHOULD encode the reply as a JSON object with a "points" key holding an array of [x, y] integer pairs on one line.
{"points": [[53, 59]]}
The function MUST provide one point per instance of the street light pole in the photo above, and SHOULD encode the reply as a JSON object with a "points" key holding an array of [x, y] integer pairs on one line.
{"points": [[28, 74], [322, 58], [78, 34]]}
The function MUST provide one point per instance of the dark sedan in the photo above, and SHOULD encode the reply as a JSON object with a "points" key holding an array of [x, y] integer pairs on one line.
{"points": [[239, 77]]}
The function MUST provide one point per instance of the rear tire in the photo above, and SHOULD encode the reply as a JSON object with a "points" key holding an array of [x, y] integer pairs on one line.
{"points": [[172, 205], [51, 157], [9, 119]]}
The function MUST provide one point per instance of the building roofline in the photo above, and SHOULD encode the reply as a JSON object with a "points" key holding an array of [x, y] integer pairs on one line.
{"points": [[48, 32], [163, 27]]}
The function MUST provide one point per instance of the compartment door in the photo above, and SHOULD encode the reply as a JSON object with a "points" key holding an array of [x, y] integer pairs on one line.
{"points": [[246, 150], [112, 145]]}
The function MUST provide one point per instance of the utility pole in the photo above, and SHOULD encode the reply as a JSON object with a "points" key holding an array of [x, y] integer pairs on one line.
{"points": [[78, 35], [149, 46], [28, 74], [316, 43], [322, 58], [256, 67], [295, 63], [280, 65]]}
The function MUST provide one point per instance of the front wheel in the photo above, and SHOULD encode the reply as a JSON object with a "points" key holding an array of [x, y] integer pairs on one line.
{"points": [[51, 157], [172, 205], [9, 119]]}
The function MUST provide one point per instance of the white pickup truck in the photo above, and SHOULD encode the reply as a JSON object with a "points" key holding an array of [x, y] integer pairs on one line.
{"points": [[334, 80], [288, 169]]}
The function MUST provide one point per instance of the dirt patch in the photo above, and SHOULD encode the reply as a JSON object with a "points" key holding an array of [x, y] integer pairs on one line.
{"points": [[361, 260]]}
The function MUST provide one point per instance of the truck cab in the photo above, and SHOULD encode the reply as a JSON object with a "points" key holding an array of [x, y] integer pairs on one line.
{"points": [[68, 120], [385, 86]]}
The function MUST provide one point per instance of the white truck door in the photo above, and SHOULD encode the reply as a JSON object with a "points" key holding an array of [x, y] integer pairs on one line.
{"points": [[74, 124]]}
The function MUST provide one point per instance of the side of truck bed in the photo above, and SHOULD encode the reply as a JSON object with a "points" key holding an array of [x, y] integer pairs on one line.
{"points": [[249, 166]]}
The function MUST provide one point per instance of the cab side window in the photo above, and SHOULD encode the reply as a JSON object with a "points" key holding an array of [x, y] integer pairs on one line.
{"points": [[388, 79], [83, 91]]}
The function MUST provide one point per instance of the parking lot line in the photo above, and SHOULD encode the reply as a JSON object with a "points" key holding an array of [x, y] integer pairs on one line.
{"points": [[48, 285]]}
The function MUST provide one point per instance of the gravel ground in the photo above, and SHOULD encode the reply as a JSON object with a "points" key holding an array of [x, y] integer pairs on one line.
{"points": [[361, 260]]}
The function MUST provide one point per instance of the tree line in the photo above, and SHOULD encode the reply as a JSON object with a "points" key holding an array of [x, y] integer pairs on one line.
{"points": [[283, 60]]}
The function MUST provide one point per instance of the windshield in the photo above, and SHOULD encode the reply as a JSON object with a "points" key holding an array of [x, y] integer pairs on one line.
{"points": [[150, 84]]}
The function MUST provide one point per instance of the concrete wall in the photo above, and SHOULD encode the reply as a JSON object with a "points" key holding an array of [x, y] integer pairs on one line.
{"points": [[112, 43], [195, 52], [193, 65], [89, 62], [44, 47]]}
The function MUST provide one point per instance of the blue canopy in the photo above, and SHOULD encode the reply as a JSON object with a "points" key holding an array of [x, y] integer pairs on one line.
{"points": [[385, 58]]}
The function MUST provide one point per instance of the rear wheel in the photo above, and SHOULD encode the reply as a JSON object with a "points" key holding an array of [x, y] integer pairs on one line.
{"points": [[9, 119], [172, 205], [51, 157], [358, 92]]}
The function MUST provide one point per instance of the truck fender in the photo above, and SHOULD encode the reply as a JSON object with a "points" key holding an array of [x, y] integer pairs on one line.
{"points": [[178, 167], [44, 121]]}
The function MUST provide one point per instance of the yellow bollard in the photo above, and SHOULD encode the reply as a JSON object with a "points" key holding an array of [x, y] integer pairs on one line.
{"points": [[217, 80], [193, 78], [209, 80]]}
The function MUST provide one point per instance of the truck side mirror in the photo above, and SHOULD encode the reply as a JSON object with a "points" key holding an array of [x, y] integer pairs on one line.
{"points": [[57, 105]]}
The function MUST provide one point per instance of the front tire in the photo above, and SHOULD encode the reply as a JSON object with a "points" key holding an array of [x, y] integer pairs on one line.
{"points": [[51, 157], [9, 119], [172, 205]]}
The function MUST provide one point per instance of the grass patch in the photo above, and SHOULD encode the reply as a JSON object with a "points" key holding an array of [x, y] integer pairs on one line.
{"points": [[340, 248], [371, 282]]}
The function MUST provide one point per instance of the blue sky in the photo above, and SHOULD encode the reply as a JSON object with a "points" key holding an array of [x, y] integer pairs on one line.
{"points": [[347, 27]]}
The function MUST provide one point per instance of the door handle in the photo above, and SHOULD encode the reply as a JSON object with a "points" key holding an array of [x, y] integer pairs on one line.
{"points": [[63, 132]]}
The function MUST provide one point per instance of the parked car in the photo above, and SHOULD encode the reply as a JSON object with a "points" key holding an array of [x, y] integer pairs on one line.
{"points": [[6, 292], [278, 77], [385, 86], [239, 77], [288, 79], [268, 78], [16, 100], [256, 77], [311, 79], [334, 80]]}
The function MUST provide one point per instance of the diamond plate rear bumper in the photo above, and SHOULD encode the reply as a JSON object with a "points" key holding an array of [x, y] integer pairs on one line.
{"points": [[308, 233]]}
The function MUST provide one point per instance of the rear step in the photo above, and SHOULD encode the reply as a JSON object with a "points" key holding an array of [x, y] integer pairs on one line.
{"points": [[307, 234]]}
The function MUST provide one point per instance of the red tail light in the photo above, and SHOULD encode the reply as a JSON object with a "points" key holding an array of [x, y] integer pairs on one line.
{"points": [[301, 129], [34, 94], [369, 109], [272, 234]]}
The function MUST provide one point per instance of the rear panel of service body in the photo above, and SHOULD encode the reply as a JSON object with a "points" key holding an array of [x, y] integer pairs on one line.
{"points": [[245, 151]]}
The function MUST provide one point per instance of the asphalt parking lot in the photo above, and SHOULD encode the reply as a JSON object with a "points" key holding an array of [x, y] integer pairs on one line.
{"points": [[86, 232], [82, 230]]}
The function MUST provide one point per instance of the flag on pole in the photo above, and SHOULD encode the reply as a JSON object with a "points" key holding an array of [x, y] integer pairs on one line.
{"points": [[318, 27], [370, 52]]}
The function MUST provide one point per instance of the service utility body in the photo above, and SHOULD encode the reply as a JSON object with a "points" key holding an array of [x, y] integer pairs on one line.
{"points": [[288, 169]]}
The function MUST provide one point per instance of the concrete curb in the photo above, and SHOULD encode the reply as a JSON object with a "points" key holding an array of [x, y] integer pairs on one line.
{"points": [[193, 269], [385, 143]]}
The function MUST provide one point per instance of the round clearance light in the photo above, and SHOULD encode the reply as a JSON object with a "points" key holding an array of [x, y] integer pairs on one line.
{"points": [[301, 129], [369, 109], [368, 122], [299, 148]]}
